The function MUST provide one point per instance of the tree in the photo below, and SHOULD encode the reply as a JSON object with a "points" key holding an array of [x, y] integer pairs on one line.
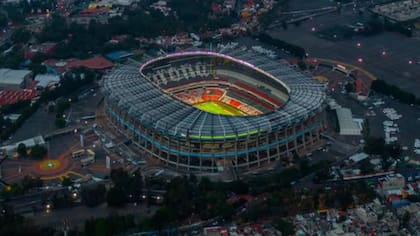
{"points": [[38, 151], [374, 145], [366, 167], [366, 128], [60, 122], [29, 182], [285, 226], [284, 25], [405, 221], [239, 187], [38, 69], [21, 36], [350, 87], [116, 197], [93, 195], [302, 65], [21, 150], [3, 20], [66, 181], [120, 177]]}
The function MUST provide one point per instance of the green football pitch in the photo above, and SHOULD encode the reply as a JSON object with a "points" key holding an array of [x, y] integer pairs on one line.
{"points": [[219, 108]]}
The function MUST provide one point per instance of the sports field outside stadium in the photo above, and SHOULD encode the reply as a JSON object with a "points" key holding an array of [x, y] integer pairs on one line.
{"points": [[219, 108]]}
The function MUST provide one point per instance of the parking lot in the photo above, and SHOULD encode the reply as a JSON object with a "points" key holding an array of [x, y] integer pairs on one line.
{"points": [[408, 125], [399, 64]]}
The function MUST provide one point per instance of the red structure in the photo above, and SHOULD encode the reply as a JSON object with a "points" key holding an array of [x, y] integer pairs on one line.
{"points": [[12, 96], [46, 49]]}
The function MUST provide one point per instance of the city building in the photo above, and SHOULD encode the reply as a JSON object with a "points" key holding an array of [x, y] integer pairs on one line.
{"points": [[14, 79], [59, 67], [29, 143], [391, 182], [346, 122], [46, 80], [399, 11], [45, 49], [14, 96]]}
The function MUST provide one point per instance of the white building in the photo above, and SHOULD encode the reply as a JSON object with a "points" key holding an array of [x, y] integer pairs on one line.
{"points": [[345, 120], [366, 216], [358, 157], [29, 143], [392, 182], [46, 80], [14, 79]]}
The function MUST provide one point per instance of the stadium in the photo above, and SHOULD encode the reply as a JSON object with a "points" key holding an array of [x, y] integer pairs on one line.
{"points": [[207, 112]]}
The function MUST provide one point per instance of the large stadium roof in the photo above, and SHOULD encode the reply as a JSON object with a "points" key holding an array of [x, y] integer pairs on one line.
{"points": [[146, 102]]}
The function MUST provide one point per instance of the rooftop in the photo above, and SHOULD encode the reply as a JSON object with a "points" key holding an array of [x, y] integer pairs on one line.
{"points": [[9, 76], [345, 120], [46, 79], [95, 63], [142, 99], [12, 96], [399, 11]]}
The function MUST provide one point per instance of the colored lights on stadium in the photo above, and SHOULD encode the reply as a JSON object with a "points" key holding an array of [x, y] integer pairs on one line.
{"points": [[313, 29], [383, 53], [360, 60], [410, 62], [359, 44], [189, 53]]}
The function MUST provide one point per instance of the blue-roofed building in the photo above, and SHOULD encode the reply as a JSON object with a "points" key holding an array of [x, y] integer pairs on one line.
{"points": [[118, 55]]}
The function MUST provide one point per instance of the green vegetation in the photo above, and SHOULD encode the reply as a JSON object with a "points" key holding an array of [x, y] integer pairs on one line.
{"points": [[61, 106], [388, 152], [366, 128], [336, 32], [285, 226], [271, 198], [66, 181], [268, 18], [12, 59], [21, 35], [21, 187], [22, 150], [350, 87], [126, 187], [93, 195], [13, 224], [143, 21], [383, 87], [221, 108], [38, 151], [295, 50], [112, 225]]}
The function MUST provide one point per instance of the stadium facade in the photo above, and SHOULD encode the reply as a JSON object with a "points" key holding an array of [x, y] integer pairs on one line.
{"points": [[153, 104]]}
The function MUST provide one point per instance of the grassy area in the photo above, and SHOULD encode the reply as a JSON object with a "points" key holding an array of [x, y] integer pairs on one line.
{"points": [[219, 108]]}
